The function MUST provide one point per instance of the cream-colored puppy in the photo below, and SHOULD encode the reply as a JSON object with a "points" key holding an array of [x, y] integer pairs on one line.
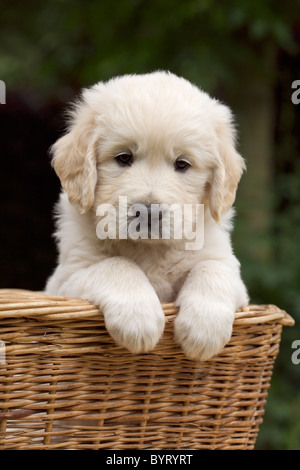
{"points": [[155, 139]]}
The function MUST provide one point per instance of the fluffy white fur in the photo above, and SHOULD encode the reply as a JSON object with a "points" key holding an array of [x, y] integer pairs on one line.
{"points": [[157, 117]]}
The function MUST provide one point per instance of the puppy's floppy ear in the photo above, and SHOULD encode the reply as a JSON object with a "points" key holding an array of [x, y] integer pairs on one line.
{"points": [[228, 169], [74, 159]]}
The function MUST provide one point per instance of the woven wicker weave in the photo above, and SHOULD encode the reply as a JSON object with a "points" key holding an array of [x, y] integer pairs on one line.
{"points": [[65, 384]]}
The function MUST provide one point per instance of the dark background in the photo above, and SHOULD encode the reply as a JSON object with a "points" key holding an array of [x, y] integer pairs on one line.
{"points": [[244, 53], [28, 189]]}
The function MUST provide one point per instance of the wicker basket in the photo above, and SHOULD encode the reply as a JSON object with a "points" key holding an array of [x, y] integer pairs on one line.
{"points": [[65, 384]]}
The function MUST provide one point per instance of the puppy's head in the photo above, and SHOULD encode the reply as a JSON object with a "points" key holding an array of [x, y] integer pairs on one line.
{"points": [[154, 138]]}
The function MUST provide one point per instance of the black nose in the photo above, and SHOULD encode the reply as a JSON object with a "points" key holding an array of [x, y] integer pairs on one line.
{"points": [[153, 216], [154, 213]]}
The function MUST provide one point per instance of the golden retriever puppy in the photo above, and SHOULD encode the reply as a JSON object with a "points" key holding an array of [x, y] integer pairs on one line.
{"points": [[137, 147]]}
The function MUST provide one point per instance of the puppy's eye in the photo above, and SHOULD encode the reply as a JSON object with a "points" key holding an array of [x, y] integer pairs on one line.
{"points": [[181, 164], [124, 159]]}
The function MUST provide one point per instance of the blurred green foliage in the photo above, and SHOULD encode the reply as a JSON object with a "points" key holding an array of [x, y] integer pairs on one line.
{"points": [[49, 44], [50, 49]]}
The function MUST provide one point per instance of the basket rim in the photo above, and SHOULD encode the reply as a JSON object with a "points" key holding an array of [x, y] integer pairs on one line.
{"points": [[21, 303]]}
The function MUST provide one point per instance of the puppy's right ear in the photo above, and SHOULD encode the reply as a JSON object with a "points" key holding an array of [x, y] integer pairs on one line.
{"points": [[74, 159]]}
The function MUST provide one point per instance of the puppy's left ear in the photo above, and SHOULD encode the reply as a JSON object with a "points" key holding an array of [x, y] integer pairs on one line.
{"points": [[228, 169]]}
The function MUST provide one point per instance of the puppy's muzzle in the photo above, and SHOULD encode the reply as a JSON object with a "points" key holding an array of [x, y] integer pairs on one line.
{"points": [[151, 219]]}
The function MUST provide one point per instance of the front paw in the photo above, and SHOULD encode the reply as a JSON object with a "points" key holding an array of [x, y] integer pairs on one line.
{"points": [[203, 328], [136, 323]]}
